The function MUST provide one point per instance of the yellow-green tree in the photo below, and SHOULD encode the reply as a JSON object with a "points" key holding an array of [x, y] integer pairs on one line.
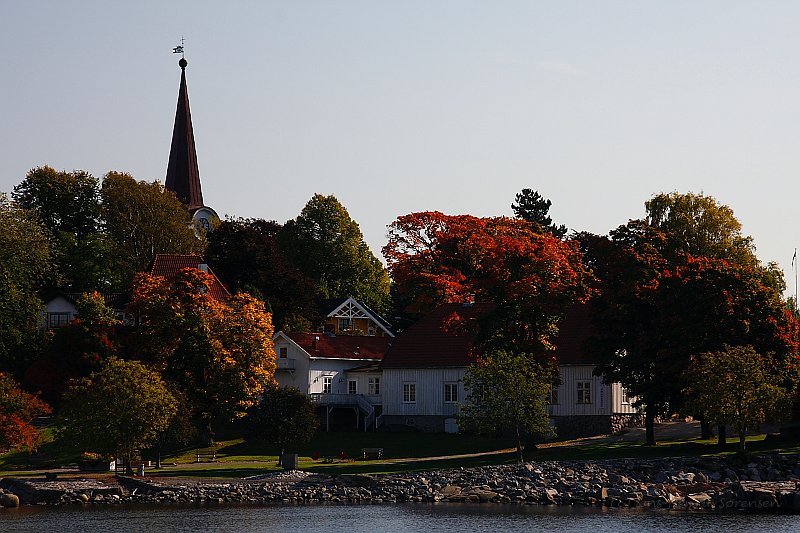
{"points": [[508, 391], [118, 410], [220, 353], [737, 387]]}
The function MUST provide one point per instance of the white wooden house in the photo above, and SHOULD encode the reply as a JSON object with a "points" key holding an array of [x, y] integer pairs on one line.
{"points": [[339, 373], [424, 368]]}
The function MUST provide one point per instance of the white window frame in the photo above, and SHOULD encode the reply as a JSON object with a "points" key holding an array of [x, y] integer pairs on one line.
{"points": [[352, 386], [410, 392], [451, 392], [327, 384], [374, 386], [553, 396], [584, 390], [57, 319]]}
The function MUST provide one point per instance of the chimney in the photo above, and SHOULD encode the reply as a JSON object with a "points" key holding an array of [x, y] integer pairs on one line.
{"points": [[314, 340]]}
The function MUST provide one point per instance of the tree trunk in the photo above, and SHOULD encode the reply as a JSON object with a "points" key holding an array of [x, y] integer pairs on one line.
{"points": [[722, 437], [209, 432], [126, 461], [705, 429], [519, 447], [742, 437], [649, 424], [158, 456]]}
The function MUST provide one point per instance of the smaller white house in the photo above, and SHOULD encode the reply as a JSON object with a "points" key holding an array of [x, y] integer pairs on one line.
{"points": [[339, 373], [60, 310]]}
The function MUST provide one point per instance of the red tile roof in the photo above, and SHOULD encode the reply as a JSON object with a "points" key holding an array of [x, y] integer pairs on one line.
{"points": [[341, 347], [574, 334], [431, 343], [168, 266], [442, 338]]}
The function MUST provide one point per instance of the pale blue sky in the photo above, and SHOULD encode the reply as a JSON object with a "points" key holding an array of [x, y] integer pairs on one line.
{"points": [[397, 107]]}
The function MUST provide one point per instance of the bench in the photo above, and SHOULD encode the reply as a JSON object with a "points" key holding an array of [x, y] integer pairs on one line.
{"points": [[210, 455], [372, 453]]}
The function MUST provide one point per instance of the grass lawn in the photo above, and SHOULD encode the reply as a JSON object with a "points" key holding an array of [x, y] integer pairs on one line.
{"points": [[403, 452]]}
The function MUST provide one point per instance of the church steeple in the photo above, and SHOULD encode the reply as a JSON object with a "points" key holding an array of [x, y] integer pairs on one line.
{"points": [[183, 176]]}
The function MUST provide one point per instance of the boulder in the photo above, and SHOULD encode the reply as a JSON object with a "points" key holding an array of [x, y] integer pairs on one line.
{"points": [[9, 500]]}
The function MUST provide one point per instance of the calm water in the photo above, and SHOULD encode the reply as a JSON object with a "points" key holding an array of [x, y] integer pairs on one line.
{"points": [[355, 519]]}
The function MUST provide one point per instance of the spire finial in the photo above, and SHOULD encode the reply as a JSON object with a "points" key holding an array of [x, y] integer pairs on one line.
{"points": [[179, 50]]}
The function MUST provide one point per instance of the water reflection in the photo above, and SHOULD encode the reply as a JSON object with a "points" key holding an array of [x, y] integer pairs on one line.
{"points": [[370, 518]]}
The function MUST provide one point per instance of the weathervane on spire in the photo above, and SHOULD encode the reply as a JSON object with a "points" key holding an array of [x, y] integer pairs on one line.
{"points": [[179, 49]]}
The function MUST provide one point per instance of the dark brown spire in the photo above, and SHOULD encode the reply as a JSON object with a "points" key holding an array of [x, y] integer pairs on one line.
{"points": [[183, 176]]}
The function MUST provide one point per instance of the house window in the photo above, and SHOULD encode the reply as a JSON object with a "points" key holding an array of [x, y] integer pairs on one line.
{"points": [[57, 320], [627, 399], [326, 384], [374, 386], [409, 393], [345, 324], [450, 392], [584, 392], [352, 386], [553, 399], [283, 351]]}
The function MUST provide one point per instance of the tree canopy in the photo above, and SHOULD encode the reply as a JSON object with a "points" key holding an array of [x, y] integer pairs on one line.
{"points": [[17, 410], [68, 204], [285, 416], [700, 226], [117, 411], [328, 247], [658, 307], [737, 387], [246, 254], [531, 277], [26, 265], [143, 219], [532, 207], [507, 391], [219, 352]]}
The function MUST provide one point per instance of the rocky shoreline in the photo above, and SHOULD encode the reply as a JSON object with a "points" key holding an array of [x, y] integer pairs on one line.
{"points": [[764, 484]]}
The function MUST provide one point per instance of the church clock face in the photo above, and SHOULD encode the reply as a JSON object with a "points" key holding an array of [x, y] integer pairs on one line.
{"points": [[205, 220]]}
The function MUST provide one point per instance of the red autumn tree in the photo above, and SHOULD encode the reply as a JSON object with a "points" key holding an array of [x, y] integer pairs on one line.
{"points": [[658, 307], [17, 410], [530, 275]]}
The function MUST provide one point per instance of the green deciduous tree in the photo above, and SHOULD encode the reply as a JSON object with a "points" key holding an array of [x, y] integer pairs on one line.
{"points": [[119, 410], [328, 247], [246, 254], [68, 204], [25, 266], [285, 416], [507, 391], [532, 207], [143, 219], [738, 387]]}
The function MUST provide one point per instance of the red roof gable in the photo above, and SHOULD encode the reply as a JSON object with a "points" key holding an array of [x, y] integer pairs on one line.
{"points": [[442, 338], [341, 347], [168, 266]]}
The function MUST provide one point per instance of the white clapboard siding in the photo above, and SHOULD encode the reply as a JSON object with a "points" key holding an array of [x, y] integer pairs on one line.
{"points": [[568, 393], [619, 405], [299, 360], [362, 385], [605, 399], [430, 391]]}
